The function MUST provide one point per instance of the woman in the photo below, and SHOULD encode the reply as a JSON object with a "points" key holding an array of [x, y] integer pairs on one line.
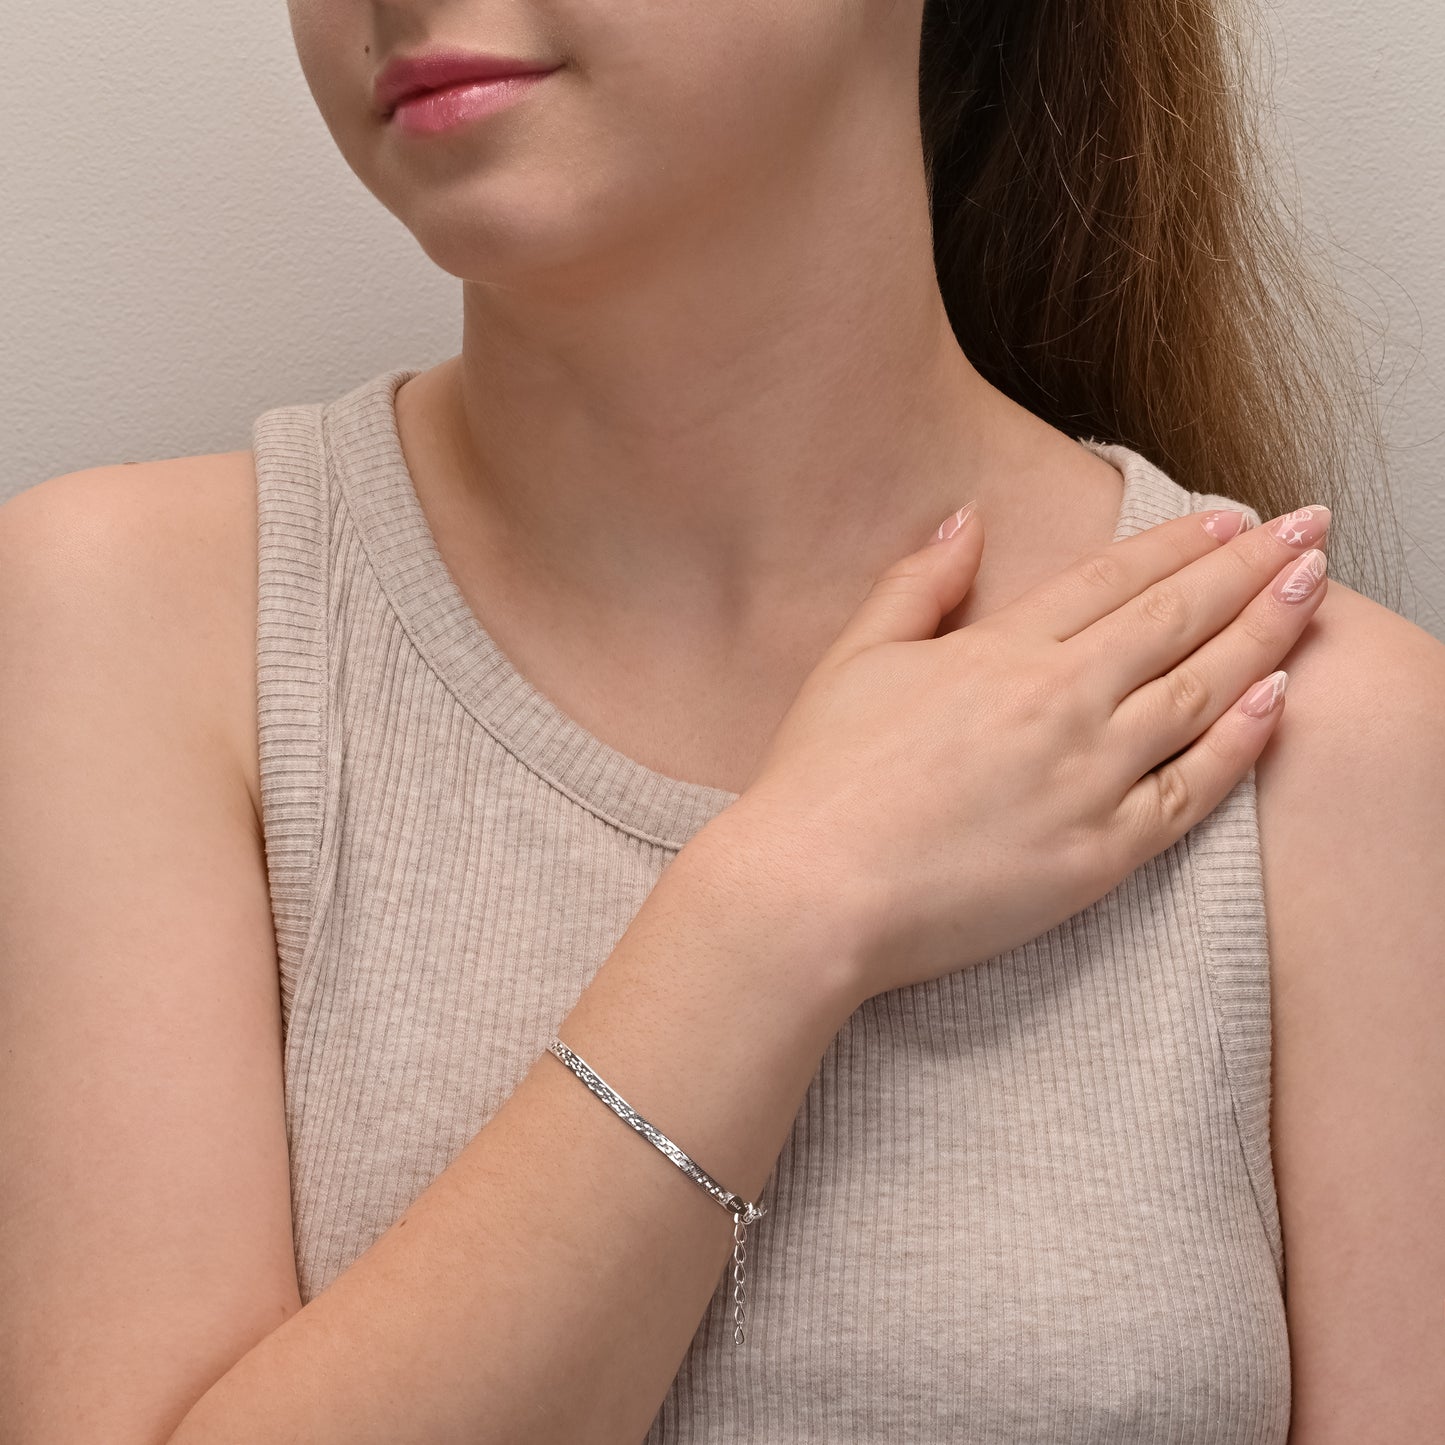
{"points": [[994, 1049]]}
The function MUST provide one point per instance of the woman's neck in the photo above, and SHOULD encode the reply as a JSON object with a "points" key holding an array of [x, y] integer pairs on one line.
{"points": [[731, 416]]}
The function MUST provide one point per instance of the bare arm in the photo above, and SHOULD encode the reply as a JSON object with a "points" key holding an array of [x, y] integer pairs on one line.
{"points": [[145, 1233], [545, 1286], [1354, 863]]}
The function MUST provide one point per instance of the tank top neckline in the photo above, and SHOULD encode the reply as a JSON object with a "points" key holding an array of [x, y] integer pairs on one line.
{"points": [[363, 446]]}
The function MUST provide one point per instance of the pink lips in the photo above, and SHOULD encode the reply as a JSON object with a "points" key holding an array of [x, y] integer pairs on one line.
{"points": [[433, 111], [440, 89]]}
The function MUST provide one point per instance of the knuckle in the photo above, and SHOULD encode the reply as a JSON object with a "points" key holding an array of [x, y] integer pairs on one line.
{"points": [[1019, 684], [1173, 795], [1101, 570], [1188, 693], [1163, 607], [1035, 693]]}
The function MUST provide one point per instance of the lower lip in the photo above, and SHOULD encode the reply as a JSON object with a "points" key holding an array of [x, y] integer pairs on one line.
{"points": [[435, 111]]}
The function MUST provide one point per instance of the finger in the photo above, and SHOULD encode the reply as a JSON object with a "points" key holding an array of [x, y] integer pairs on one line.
{"points": [[1157, 720], [1110, 576], [1163, 805], [1171, 619], [910, 599]]}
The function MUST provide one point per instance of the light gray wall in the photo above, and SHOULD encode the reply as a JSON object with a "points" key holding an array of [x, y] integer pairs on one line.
{"points": [[1361, 110], [184, 247]]}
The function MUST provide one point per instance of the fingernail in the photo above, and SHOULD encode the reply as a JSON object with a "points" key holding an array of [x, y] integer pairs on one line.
{"points": [[1302, 578], [951, 526], [1227, 523], [1302, 528], [1265, 696]]}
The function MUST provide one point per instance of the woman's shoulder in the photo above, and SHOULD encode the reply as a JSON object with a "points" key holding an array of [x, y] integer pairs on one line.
{"points": [[1351, 798], [149, 558], [1344, 783], [1364, 707]]}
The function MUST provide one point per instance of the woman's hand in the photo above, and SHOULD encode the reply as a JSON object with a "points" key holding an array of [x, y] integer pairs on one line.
{"points": [[950, 797]]}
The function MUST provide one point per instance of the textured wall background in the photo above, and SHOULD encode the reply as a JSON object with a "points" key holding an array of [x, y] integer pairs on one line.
{"points": [[184, 247]]}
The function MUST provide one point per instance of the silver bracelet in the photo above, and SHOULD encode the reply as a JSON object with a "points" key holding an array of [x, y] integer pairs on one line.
{"points": [[743, 1213]]}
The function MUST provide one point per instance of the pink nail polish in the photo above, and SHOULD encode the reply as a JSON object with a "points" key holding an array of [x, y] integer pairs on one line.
{"points": [[1302, 578], [1265, 696], [952, 526], [1226, 523], [1303, 527]]}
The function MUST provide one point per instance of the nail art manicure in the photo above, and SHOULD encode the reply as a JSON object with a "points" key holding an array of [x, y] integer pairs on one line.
{"points": [[952, 526], [1227, 523], [1264, 696], [1302, 578], [1303, 527]]}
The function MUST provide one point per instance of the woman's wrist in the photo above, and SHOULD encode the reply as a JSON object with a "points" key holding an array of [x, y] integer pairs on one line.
{"points": [[788, 916]]}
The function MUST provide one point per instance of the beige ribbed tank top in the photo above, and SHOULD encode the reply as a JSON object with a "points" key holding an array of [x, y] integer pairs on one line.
{"points": [[1032, 1200]]}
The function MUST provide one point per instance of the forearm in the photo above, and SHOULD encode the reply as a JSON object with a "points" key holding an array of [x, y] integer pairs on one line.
{"points": [[546, 1285]]}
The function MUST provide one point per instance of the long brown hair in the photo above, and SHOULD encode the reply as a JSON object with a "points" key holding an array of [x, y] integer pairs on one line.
{"points": [[1113, 255]]}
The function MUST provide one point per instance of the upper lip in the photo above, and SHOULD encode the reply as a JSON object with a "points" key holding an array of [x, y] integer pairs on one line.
{"points": [[407, 75]]}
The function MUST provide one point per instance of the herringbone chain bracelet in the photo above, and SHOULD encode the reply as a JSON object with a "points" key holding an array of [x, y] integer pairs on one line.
{"points": [[743, 1213]]}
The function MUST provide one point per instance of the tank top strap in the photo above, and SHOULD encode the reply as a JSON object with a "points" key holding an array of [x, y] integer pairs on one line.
{"points": [[1226, 867], [293, 549]]}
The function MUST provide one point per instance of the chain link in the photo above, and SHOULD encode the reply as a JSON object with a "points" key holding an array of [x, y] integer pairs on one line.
{"points": [[740, 1253]]}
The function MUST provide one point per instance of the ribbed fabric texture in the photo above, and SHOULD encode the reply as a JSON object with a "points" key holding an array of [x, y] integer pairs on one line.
{"points": [[1031, 1201]]}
